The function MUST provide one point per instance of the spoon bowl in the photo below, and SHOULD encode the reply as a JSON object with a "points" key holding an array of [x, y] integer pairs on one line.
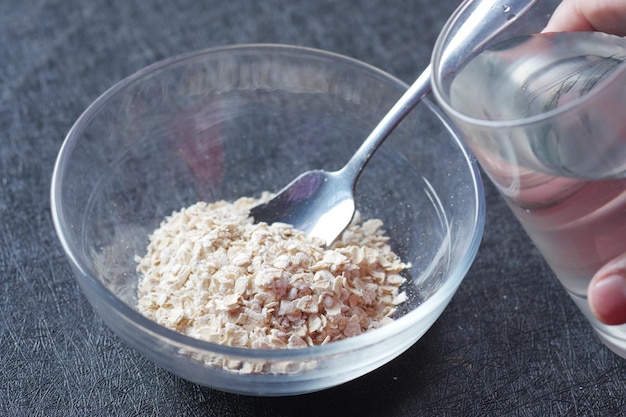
{"points": [[320, 203]]}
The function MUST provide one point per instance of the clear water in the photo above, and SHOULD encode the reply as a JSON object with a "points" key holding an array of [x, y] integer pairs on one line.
{"points": [[577, 224], [565, 180]]}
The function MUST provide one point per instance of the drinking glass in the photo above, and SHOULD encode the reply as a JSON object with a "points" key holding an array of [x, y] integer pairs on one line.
{"points": [[545, 116]]}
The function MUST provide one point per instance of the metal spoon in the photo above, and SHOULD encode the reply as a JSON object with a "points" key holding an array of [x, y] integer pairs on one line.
{"points": [[321, 203]]}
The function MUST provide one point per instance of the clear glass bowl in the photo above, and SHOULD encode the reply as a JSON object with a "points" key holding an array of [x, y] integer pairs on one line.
{"points": [[235, 121]]}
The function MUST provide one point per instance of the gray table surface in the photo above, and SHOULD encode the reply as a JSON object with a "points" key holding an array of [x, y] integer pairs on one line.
{"points": [[510, 342]]}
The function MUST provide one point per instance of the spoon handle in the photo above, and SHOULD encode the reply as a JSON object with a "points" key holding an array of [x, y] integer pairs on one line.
{"points": [[403, 106], [481, 21]]}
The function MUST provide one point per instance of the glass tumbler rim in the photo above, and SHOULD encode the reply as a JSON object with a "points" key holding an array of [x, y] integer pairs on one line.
{"points": [[560, 111]]}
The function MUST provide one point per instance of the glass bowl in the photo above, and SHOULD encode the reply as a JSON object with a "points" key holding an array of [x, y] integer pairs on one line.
{"points": [[235, 121]]}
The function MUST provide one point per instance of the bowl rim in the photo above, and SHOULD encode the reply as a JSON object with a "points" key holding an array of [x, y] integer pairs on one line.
{"points": [[404, 323]]}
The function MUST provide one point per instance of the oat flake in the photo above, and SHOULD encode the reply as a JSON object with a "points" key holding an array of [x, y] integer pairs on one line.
{"points": [[212, 274]]}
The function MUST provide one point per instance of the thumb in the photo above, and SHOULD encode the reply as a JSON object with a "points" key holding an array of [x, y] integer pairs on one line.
{"points": [[607, 292]]}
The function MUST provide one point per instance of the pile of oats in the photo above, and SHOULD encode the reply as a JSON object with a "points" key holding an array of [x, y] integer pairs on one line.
{"points": [[212, 274]]}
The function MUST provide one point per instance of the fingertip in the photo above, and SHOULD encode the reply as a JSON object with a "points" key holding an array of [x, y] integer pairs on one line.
{"points": [[607, 298]]}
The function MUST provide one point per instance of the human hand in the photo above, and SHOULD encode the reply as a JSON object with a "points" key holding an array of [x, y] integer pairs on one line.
{"points": [[589, 15], [607, 290]]}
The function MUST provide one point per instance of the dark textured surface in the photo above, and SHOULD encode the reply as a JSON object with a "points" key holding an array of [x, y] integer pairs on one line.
{"points": [[510, 343]]}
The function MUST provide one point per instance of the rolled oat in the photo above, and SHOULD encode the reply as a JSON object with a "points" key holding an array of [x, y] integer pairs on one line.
{"points": [[211, 273]]}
